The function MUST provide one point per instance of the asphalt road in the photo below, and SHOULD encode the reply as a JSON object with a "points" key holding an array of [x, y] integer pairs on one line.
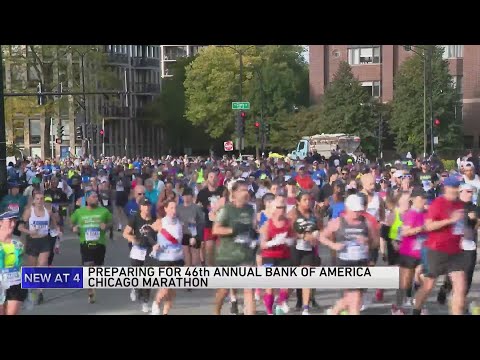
{"points": [[196, 302]]}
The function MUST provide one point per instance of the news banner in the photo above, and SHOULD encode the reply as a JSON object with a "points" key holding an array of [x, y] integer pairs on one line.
{"points": [[109, 277]]}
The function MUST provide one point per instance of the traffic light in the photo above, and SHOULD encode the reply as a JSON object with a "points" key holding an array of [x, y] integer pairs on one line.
{"points": [[41, 99], [436, 122], [240, 124], [60, 131], [94, 130], [79, 132], [267, 130], [257, 124], [102, 132]]}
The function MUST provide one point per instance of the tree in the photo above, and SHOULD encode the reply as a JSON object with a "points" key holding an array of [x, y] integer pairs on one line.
{"points": [[348, 108], [407, 120], [274, 75], [168, 111], [50, 65]]}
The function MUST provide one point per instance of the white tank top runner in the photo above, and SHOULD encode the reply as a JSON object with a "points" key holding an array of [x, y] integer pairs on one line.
{"points": [[373, 207], [39, 223]]}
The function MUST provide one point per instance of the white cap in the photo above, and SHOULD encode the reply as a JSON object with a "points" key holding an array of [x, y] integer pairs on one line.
{"points": [[467, 187], [469, 164], [354, 203], [398, 174]]}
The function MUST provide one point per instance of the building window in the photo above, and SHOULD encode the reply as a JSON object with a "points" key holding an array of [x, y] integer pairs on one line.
{"points": [[468, 141], [372, 88], [364, 55], [457, 82], [35, 152], [66, 130], [18, 131], [35, 131], [452, 51]]}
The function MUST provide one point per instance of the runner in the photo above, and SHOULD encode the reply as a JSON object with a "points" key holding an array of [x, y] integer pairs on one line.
{"points": [[14, 201], [305, 226], [445, 226], [166, 252], [276, 237], [235, 224], [91, 223], [140, 234], [207, 197], [193, 219], [350, 236], [36, 222], [412, 237], [11, 252], [468, 243]]}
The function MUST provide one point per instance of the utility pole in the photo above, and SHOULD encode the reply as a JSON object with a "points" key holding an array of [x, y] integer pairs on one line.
{"points": [[3, 136]]}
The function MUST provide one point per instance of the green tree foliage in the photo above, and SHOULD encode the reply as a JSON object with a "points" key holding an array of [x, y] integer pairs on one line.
{"points": [[348, 108], [168, 111], [48, 64], [407, 120], [275, 76]]}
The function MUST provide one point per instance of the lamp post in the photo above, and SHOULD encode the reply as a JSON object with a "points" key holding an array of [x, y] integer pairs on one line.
{"points": [[425, 55], [82, 55]]}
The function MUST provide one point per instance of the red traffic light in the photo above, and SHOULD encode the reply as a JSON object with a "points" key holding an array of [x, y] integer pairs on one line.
{"points": [[436, 122], [243, 114], [102, 132], [257, 124]]}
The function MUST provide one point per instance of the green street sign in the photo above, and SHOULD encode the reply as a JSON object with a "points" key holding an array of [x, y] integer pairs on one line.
{"points": [[236, 105]]}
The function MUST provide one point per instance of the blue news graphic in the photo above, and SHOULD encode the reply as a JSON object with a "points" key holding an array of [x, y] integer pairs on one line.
{"points": [[52, 277]]}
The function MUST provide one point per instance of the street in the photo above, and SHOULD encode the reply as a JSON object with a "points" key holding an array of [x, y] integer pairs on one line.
{"points": [[196, 302]]}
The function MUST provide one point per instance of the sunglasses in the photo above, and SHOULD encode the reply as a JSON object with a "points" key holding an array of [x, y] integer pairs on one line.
{"points": [[344, 173]]}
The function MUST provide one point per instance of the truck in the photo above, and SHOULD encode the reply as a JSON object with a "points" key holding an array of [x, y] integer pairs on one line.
{"points": [[325, 144]]}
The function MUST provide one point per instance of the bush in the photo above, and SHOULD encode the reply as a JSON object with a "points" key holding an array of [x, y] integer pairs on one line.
{"points": [[449, 164]]}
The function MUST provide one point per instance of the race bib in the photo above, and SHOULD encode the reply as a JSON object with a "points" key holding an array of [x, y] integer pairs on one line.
{"points": [[105, 202], [92, 234], [193, 229], [468, 245], [119, 187], [317, 182], [13, 207], [303, 245], [458, 228], [417, 245], [53, 233], [354, 251], [10, 277], [242, 239], [426, 185], [138, 253]]}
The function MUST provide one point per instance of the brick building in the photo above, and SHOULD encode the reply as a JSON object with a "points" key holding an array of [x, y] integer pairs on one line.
{"points": [[375, 66]]}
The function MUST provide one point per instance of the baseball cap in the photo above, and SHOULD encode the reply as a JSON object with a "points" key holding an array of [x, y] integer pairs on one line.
{"points": [[451, 181], [35, 180], [9, 215], [145, 202], [354, 203], [467, 187], [48, 199]]}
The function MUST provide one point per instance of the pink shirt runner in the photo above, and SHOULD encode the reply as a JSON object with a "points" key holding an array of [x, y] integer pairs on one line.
{"points": [[412, 245]]}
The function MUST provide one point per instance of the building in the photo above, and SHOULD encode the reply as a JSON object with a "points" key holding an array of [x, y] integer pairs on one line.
{"points": [[375, 66], [170, 53], [125, 131], [137, 69]]}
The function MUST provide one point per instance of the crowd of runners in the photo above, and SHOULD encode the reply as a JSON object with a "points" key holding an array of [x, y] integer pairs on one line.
{"points": [[411, 213]]}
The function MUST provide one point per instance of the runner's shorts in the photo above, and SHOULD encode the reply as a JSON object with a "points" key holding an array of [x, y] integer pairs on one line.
{"points": [[436, 263], [186, 241], [207, 235], [35, 247], [92, 253], [150, 261], [275, 262], [408, 262], [16, 293], [304, 258], [349, 263]]}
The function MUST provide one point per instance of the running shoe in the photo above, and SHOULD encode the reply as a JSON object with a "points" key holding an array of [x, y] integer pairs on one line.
{"points": [[234, 308], [305, 312], [155, 308], [133, 295], [314, 304], [298, 306], [282, 309], [397, 311], [145, 308], [408, 302]]}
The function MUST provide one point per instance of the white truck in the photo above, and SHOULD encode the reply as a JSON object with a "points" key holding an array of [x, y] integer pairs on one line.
{"points": [[324, 144]]}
